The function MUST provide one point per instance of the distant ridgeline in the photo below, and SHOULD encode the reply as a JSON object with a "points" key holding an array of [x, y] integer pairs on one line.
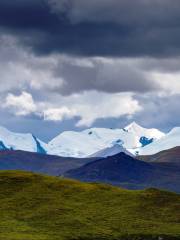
{"points": [[132, 139], [16, 141]]}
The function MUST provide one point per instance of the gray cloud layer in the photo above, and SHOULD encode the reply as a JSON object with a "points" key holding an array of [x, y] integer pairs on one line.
{"points": [[21, 70], [138, 12], [112, 77], [86, 52]]}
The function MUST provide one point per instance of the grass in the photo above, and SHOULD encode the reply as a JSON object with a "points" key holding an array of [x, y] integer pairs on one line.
{"points": [[37, 207]]}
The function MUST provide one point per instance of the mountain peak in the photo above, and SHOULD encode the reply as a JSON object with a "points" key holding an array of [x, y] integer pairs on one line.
{"points": [[133, 126]]}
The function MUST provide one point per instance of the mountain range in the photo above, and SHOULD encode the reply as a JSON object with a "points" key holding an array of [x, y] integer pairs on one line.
{"points": [[161, 170], [96, 142], [40, 163], [133, 157]]}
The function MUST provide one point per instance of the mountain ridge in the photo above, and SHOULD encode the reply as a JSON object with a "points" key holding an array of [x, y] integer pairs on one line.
{"points": [[40, 163], [126, 171], [93, 140], [133, 139]]}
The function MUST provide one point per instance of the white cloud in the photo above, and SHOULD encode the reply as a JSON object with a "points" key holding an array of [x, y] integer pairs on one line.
{"points": [[169, 82], [88, 106], [91, 106], [21, 105], [58, 114], [101, 106]]}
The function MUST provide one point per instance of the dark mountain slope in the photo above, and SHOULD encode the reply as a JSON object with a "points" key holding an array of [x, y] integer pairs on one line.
{"points": [[36, 207], [126, 171], [168, 160], [52, 165], [120, 167], [168, 156]]}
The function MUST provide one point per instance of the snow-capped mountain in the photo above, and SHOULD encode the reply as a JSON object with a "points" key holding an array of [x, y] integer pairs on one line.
{"points": [[170, 140], [88, 142], [111, 151], [16, 141], [144, 136], [93, 140], [96, 142]]}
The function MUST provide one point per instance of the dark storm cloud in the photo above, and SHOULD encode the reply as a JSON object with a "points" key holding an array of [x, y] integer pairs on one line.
{"points": [[62, 74], [95, 28], [26, 15], [138, 12], [111, 77]]}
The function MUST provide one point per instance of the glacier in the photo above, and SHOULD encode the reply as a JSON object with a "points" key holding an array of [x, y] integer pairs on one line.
{"points": [[90, 141], [94, 142], [19, 141], [168, 141]]}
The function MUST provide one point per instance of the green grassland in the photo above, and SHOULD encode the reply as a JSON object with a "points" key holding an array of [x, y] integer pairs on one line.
{"points": [[37, 207]]}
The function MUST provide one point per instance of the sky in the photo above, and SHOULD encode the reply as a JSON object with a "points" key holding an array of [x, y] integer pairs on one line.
{"points": [[76, 64]]}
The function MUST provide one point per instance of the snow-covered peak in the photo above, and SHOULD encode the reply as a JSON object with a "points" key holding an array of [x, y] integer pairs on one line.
{"points": [[139, 131], [4, 131], [174, 131], [133, 127], [170, 140], [93, 140], [110, 151], [20, 141], [85, 143]]}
